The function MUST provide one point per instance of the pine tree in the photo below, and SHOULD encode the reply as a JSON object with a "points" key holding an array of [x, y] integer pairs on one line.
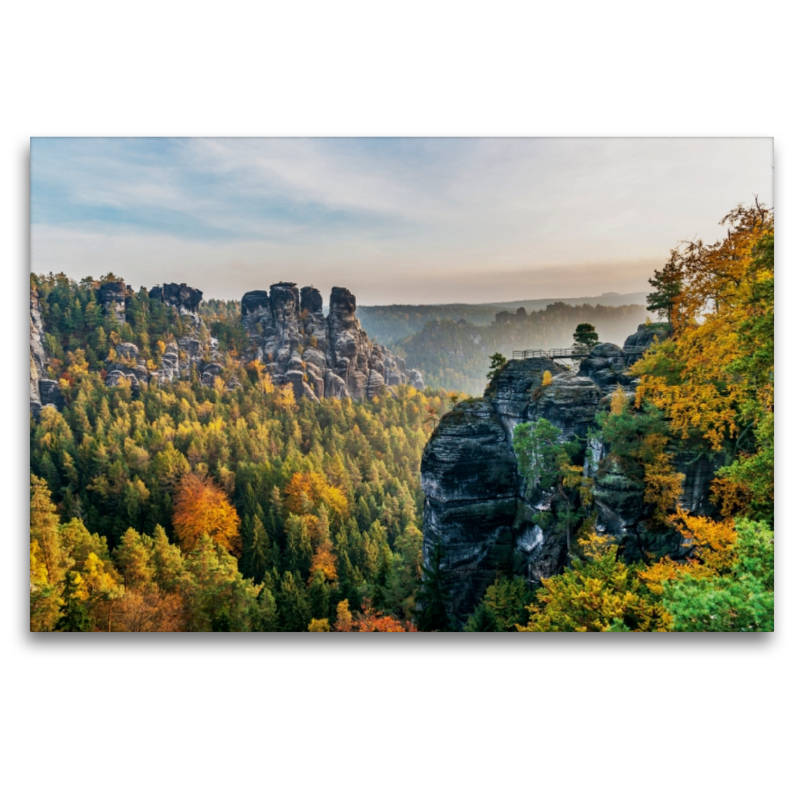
{"points": [[433, 595], [483, 620], [585, 337], [74, 616], [293, 609]]}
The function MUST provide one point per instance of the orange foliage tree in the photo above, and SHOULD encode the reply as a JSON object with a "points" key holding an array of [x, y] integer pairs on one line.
{"points": [[371, 621], [201, 507]]}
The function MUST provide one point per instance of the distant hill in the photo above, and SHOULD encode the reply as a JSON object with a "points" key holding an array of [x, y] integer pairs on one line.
{"points": [[388, 324], [455, 355]]}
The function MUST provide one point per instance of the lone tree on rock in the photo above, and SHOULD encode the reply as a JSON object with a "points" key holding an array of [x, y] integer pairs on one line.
{"points": [[497, 363], [585, 337]]}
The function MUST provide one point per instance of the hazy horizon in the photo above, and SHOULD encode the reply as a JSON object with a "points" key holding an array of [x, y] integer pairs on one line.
{"points": [[397, 221]]}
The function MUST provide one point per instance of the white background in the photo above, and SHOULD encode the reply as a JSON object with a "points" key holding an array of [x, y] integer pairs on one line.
{"points": [[202, 716]]}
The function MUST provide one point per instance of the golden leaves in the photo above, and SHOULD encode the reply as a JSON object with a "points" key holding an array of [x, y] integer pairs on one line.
{"points": [[201, 507]]}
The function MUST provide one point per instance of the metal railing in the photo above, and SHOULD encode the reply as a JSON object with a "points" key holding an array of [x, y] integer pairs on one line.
{"points": [[563, 352], [570, 352]]}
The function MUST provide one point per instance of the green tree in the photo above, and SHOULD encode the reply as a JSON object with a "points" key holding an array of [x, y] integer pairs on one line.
{"points": [[482, 620], [75, 616], [293, 607], [506, 600], [433, 595], [585, 337], [545, 461], [498, 361], [667, 285], [133, 558], [740, 598]]}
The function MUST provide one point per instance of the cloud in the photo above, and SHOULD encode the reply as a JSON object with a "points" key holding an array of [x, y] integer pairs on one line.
{"points": [[419, 217]]}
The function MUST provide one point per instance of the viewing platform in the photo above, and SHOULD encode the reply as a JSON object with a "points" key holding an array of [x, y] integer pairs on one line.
{"points": [[565, 352], [568, 352]]}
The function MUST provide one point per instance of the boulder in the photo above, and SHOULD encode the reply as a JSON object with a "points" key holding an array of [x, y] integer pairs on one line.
{"points": [[127, 350], [51, 394], [606, 366], [637, 343]]}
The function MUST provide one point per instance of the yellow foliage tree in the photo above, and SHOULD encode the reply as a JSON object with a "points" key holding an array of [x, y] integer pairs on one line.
{"points": [[709, 546], [619, 401], [201, 507], [596, 595], [324, 561], [284, 398], [697, 376], [308, 491], [344, 617]]}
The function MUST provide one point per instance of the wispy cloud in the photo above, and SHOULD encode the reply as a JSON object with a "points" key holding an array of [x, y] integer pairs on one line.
{"points": [[397, 220]]}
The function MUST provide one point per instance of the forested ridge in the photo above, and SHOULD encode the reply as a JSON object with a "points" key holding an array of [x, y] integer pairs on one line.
{"points": [[389, 324], [189, 507]]}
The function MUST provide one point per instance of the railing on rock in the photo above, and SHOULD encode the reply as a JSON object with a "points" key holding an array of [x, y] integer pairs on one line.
{"points": [[564, 352]]}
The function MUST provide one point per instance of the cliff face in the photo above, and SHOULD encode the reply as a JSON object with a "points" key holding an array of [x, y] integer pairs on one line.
{"points": [[478, 506], [476, 502], [38, 360], [43, 391], [197, 350], [318, 356], [638, 342]]}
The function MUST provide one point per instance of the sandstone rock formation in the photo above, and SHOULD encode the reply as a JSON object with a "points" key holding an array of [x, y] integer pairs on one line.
{"points": [[637, 343], [606, 366], [476, 502], [318, 356], [112, 296], [43, 391], [38, 359], [478, 506], [185, 298]]}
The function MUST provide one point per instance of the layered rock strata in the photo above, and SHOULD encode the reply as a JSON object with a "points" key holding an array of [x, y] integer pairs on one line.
{"points": [[636, 344], [489, 521], [318, 356], [43, 391]]}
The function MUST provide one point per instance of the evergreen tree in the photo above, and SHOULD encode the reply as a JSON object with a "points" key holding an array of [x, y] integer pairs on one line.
{"points": [[585, 337], [74, 617], [483, 620], [294, 613], [433, 595], [497, 362]]}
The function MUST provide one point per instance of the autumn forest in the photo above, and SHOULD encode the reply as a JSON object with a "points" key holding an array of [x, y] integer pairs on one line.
{"points": [[226, 499]]}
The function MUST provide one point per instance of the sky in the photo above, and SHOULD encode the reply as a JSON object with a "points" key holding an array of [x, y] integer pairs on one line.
{"points": [[417, 220]]}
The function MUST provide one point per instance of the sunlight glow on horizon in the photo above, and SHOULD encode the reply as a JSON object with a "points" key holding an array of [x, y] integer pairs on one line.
{"points": [[394, 220]]}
